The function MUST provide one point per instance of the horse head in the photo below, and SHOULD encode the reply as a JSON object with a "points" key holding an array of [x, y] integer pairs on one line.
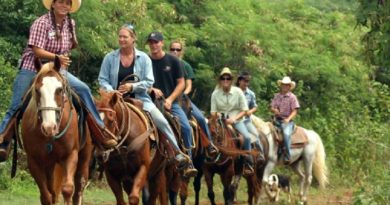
{"points": [[108, 106], [48, 97]]}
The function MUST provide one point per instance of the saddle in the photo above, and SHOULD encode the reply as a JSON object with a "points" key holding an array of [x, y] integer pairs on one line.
{"points": [[298, 138], [137, 106]]}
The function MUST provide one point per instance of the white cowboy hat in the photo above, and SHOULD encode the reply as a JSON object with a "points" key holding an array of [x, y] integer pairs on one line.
{"points": [[226, 71], [75, 5], [287, 80]]}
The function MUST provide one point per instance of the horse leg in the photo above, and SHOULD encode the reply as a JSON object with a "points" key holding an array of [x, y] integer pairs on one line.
{"points": [[69, 165], [308, 164], [82, 173], [197, 185], [184, 190], [209, 181], [39, 175], [251, 181], [139, 182], [172, 197], [116, 188], [226, 179], [295, 166], [267, 171]]}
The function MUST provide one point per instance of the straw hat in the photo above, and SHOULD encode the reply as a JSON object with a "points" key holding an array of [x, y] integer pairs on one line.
{"points": [[75, 5], [225, 71], [287, 80]]}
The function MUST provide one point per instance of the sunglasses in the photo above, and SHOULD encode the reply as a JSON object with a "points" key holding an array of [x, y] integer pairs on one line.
{"points": [[175, 49], [225, 78]]}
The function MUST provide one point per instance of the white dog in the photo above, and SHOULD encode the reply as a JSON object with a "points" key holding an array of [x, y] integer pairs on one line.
{"points": [[277, 183]]}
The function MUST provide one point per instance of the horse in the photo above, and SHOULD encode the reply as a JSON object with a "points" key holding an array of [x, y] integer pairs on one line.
{"points": [[57, 156], [224, 165], [126, 167], [312, 154]]}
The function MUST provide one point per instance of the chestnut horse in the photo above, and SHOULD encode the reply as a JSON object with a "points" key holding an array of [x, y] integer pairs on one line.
{"points": [[224, 139], [127, 166], [57, 157]]}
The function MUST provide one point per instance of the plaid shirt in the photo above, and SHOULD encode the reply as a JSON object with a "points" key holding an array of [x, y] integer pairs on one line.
{"points": [[43, 35], [285, 104]]}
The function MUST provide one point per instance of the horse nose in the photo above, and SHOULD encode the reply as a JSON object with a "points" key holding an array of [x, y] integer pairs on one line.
{"points": [[49, 129]]}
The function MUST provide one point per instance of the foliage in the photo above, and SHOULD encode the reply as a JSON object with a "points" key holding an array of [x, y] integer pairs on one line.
{"points": [[342, 84]]}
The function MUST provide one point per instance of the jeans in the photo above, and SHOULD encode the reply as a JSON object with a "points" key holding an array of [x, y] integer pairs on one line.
{"points": [[185, 125], [287, 129], [21, 84], [85, 94], [163, 125], [252, 129], [201, 120], [243, 130]]}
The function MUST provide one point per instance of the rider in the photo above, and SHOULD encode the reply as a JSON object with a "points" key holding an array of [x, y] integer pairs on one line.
{"points": [[128, 60], [243, 83], [176, 49], [285, 107], [52, 36], [230, 101], [169, 83]]}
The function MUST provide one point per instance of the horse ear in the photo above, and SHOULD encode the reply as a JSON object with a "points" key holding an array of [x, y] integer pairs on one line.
{"points": [[115, 98], [57, 63], [37, 64]]}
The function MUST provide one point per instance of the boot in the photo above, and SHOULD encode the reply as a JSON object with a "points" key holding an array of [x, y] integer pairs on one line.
{"points": [[185, 164], [4, 150], [211, 151], [9, 131], [101, 135], [248, 169]]}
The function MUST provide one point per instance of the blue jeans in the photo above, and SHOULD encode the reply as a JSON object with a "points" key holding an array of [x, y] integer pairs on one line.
{"points": [[287, 129], [243, 130], [252, 129], [201, 120], [21, 84], [85, 94], [163, 125], [185, 125]]}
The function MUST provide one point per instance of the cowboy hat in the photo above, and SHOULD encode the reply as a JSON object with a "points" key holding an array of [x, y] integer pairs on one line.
{"points": [[226, 71], [287, 80], [75, 5]]}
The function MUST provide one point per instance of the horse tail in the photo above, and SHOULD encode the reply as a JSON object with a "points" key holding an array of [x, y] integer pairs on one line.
{"points": [[319, 166], [57, 181]]}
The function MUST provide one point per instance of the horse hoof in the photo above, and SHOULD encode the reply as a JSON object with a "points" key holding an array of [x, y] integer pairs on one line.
{"points": [[133, 200]]}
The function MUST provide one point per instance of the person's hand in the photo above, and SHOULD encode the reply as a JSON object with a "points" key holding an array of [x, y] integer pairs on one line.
{"points": [[125, 88], [64, 60], [230, 121], [157, 92], [286, 120], [168, 104]]}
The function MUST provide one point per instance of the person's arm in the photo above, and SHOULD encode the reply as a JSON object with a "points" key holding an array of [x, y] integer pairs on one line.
{"points": [[188, 86], [176, 92], [146, 80], [291, 116], [234, 119], [104, 75]]}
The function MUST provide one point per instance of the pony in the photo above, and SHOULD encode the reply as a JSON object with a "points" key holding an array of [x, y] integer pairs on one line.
{"points": [[57, 156], [126, 167], [311, 154]]}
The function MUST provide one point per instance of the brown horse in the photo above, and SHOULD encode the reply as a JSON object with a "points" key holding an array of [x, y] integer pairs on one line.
{"points": [[127, 166], [224, 165], [57, 157]]}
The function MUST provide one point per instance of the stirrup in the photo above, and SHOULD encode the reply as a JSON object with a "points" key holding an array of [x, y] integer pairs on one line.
{"points": [[190, 171], [248, 170]]}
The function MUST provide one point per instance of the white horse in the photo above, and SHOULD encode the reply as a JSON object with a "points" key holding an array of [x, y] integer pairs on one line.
{"points": [[312, 155]]}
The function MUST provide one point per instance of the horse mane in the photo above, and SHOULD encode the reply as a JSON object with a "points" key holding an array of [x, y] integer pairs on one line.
{"points": [[33, 104]]}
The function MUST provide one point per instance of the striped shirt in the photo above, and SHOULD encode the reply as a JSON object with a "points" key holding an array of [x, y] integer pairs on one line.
{"points": [[285, 103], [43, 35]]}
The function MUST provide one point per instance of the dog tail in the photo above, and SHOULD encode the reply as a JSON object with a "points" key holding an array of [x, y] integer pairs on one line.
{"points": [[319, 166]]}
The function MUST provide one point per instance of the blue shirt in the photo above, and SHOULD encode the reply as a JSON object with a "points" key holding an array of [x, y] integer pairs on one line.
{"points": [[108, 76]]}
